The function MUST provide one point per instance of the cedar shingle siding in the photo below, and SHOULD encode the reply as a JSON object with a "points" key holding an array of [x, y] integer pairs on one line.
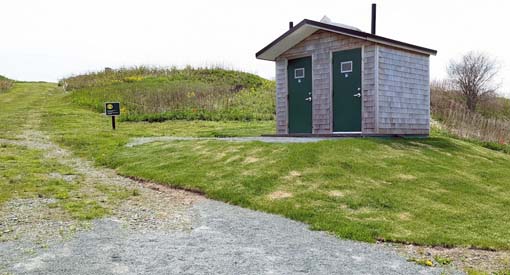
{"points": [[395, 85], [404, 92], [319, 46]]}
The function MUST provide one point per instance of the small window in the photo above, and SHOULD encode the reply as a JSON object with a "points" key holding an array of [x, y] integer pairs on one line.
{"points": [[346, 67], [299, 73]]}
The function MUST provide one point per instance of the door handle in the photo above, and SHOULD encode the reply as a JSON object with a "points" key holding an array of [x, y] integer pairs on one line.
{"points": [[308, 98], [357, 95]]}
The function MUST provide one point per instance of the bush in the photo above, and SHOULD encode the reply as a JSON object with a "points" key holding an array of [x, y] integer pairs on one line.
{"points": [[5, 84]]}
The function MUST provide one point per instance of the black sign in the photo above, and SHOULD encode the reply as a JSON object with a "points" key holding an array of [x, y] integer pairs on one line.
{"points": [[112, 108]]}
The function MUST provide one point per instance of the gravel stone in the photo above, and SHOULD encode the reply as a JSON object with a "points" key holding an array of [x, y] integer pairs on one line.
{"points": [[168, 231], [224, 239], [144, 140]]}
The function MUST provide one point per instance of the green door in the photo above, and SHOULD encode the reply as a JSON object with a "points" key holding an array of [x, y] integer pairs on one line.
{"points": [[347, 91], [299, 75]]}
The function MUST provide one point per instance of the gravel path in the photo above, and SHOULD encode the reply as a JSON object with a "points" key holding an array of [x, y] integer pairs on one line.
{"points": [[145, 140], [224, 239], [167, 231]]}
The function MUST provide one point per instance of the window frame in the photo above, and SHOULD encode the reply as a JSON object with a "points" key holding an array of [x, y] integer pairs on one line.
{"points": [[300, 76], [342, 67]]}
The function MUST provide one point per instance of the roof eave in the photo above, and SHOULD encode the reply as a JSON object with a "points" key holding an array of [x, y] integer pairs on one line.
{"points": [[344, 31], [259, 54]]}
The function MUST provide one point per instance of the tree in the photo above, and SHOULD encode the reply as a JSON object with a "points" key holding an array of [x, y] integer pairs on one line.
{"points": [[474, 76]]}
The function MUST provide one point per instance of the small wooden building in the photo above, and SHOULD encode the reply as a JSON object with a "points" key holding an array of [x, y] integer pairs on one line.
{"points": [[333, 79]]}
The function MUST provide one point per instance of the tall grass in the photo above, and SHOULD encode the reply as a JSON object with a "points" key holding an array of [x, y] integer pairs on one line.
{"points": [[466, 124], [5, 84], [448, 108], [158, 94]]}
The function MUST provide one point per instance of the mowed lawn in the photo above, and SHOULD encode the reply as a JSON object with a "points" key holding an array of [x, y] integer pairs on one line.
{"points": [[436, 191]]}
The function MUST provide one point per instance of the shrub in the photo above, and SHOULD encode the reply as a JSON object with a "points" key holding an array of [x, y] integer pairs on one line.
{"points": [[5, 84]]}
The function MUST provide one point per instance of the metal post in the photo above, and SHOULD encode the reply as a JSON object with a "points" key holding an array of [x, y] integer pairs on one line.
{"points": [[113, 122]]}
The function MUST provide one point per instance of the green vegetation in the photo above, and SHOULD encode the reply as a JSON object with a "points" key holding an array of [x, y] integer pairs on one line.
{"points": [[5, 84], [424, 262], [477, 272], [437, 191], [25, 173], [495, 107], [155, 95], [28, 173], [442, 260]]}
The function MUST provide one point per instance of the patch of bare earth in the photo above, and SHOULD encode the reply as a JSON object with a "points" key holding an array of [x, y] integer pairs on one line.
{"points": [[406, 177], [336, 193], [461, 258], [292, 175], [249, 160], [278, 195]]}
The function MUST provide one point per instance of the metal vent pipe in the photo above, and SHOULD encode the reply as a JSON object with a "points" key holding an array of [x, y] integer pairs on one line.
{"points": [[374, 15]]}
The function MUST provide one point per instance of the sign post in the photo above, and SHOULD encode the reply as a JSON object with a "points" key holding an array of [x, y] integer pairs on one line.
{"points": [[112, 109]]}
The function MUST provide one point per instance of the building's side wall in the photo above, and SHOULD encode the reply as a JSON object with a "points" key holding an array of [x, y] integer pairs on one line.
{"points": [[319, 46], [403, 92], [281, 97]]}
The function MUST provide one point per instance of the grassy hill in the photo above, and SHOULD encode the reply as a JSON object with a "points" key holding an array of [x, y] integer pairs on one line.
{"points": [[158, 94], [437, 191], [5, 83]]}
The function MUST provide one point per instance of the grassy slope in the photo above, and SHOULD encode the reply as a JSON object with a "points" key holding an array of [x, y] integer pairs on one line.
{"points": [[151, 94], [437, 191]]}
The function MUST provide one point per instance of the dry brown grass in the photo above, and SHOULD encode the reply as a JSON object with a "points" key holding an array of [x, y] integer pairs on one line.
{"points": [[447, 107]]}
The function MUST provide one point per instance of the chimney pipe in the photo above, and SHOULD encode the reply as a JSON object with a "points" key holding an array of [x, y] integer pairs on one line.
{"points": [[291, 25], [374, 15]]}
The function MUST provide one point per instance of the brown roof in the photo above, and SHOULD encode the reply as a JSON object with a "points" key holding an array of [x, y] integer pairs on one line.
{"points": [[306, 27]]}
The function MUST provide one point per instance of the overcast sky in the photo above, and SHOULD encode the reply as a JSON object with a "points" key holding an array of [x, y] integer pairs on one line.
{"points": [[47, 40]]}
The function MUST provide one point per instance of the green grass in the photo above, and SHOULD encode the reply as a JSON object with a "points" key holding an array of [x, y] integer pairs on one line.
{"points": [[24, 173], [16, 108], [436, 191], [157, 95], [27, 173], [155, 74], [442, 260], [477, 272]]}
